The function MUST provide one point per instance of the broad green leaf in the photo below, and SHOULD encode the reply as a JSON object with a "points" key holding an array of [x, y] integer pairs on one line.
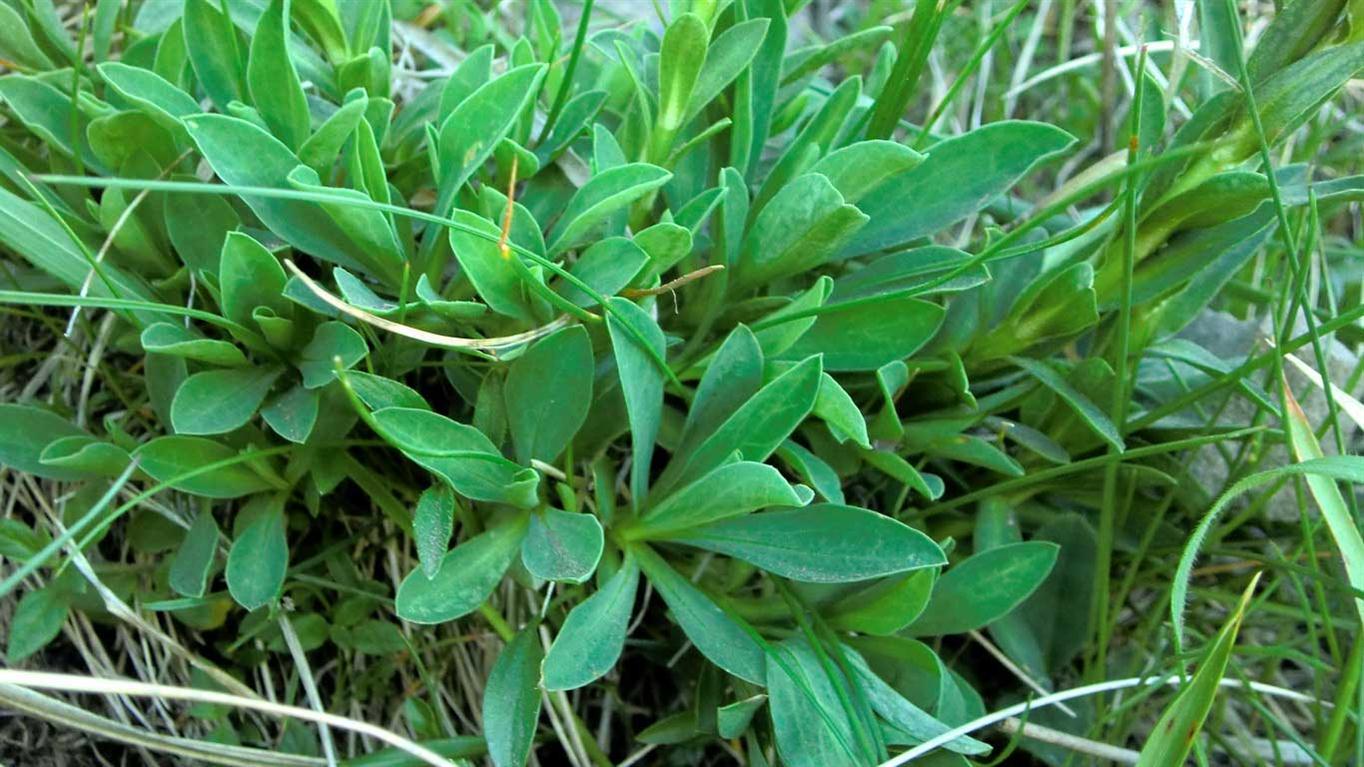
{"points": [[732, 720], [756, 428], [48, 112], [242, 154], [724, 639], [16, 41], [825, 543], [810, 723], [1083, 406], [593, 635], [603, 195], [161, 100], [180, 341], [562, 545], [219, 401], [214, 51], [548, 391], [333, 343], [276, 91], [193, 562], [727, 56], [85, 454], [1174, 734], [25, 431], [960, 176], [731, 490], [473, 130], [801, 228], [491, 274], [168, 458], [680, 58], [293, 414], [642, 384], [379, 392], [467, 575], [885, 607], [198, 225], [259, 556], [511, 700], [606, 266], [370, 229], [461, 454], [433, 522], [37, 620], [866, 337], [859, 170], [475, 70], [984, 587]]}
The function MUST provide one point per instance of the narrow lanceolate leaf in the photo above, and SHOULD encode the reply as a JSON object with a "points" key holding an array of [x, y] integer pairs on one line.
{"points": [[548, 391], [562, 546], [756, 428], [273, 81], [259, 556], [724, 639], [811, 725], [641, 382], [1090, 413], [731, 490], [37, 620], [1303, 441], [803, 226], [593, 634], [214, 51], [603, 195], [467, 575], [511, 701], [680, 59], [433, 522], [461, 454], [825, 543], [219, 401], [726, 57], [985, 587], [1174, 735]]}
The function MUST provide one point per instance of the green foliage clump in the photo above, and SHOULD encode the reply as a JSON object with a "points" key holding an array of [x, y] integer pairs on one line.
{"points": [[668, 365]]}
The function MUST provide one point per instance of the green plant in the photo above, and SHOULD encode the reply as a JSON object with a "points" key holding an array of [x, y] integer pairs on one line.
{"points": [[619, 344]]}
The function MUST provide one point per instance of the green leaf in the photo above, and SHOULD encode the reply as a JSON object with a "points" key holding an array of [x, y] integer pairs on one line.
{"points": [[825, 543], [37, 620], [861, 169], [259, 556], [320, 150], [276, 91], [606, 266], [724, 639], [293, 414], [885, 607], [562, 545], [803, 226], [1083, 406], [985, 587], [467, 575], [641, 382], [1175, 732], [333, 343], [548, 391], [193, 562], [180, 341], [904, 715], [250, 276], [1056, 305], [1289, 97], [85, 454], [603, 195], [159, 99], [732, 720], [219, 401], [25, 431], [460, 454], [511, 701], [472, 131], [756, 428], [242, 154], [960, 177], [212, 45], [167, 458], [433, 522], [680, 58], [867, 336], [726, 57], [16, 41], [593, 635], [811, 726], [495, 279], [731, 490], [734, 374]]}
